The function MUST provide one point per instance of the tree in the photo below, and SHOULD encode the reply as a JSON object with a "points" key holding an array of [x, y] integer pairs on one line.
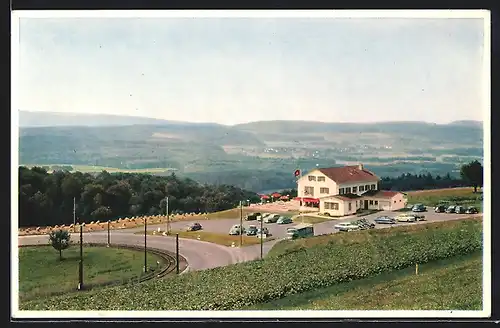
{"points": [[472, 173], [60, 239]]}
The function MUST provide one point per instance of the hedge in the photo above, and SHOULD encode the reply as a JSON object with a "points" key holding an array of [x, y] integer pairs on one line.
{"points": [[304, 269]]}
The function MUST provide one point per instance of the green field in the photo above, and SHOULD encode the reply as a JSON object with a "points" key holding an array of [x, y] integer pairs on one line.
{"points": [[41, 273], [449, 284], [452, 196], [296, 267]]}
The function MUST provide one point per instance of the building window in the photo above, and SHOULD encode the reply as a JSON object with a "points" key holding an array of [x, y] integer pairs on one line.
{"points": [[394, 202], [312, 178], [354, 190], [309, 191], [367, 187], [324, 190], [361, 188], [400, 200], [376, 202], [341, 191], [371, 202], [348, 190], [321, 178], [373, 187], [331, 206], [350, 206]]}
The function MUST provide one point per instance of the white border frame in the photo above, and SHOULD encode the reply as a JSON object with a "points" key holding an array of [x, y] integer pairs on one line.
{"points": [[484, 14]]}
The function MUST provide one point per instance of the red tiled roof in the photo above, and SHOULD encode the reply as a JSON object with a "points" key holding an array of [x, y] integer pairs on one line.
{"points": [[276, 195], [349, 174], [381, 193], [264, 197]]}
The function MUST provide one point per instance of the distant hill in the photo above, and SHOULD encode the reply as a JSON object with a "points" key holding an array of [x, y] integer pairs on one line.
{"points": [[45, 119], [258, 155]]}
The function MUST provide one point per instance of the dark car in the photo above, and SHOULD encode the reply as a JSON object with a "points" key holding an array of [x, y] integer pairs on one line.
{"points": [[385, 220], [252, 230], [440, 209], [194, 227], [460, 209], [419, 208], [472, 210], [450, 209], [252, 216]]}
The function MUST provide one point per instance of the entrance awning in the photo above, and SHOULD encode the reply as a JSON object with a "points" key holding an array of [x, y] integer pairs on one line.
{"points": [[308, 200]]}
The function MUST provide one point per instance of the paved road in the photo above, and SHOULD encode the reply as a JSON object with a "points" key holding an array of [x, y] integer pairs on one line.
{"points": [[203, 255], [200, 255]]}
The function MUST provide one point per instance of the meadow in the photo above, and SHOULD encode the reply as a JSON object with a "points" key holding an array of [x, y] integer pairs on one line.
{"points": [[41, 273]]}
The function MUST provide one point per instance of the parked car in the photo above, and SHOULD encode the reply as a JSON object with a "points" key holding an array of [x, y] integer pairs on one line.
{"points": [[264, 215], [440, 209], [460, 209], [346, 226], [252, 230], [284, 220], [273, 218], [472, 210], [252, 216], [236, 230], [419, 217], [363, 224], [406, 218], [385, 220], [451, 209], [418, 208], [194, 227], [265, 231]]}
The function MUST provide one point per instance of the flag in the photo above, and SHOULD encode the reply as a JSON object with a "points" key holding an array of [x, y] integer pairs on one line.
{"points": [[297, 173]]}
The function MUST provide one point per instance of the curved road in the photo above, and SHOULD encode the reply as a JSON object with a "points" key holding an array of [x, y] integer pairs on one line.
{"points": [[202, 255]]}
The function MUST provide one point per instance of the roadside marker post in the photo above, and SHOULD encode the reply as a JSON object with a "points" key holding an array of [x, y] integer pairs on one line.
{"points": [[416, 268]]}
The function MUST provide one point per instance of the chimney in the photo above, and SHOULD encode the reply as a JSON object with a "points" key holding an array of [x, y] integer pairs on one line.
{"points": [[360, 167]]}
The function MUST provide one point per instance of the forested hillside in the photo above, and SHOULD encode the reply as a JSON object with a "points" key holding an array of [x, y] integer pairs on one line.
{"points": [[47, 199]]}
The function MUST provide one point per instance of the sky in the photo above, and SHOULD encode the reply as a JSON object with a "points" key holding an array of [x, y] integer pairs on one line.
{"points": [[237, 70]]}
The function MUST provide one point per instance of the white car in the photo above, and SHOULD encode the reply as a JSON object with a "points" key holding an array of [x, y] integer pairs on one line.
{"points": [[263, 216], [406, 218], [346, 226]]}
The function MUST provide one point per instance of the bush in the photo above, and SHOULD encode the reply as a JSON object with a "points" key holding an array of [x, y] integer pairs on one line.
{"points": [[327, 263]]}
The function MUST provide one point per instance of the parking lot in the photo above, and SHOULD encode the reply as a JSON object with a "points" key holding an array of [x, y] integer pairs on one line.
{"points": [[279, 230]]}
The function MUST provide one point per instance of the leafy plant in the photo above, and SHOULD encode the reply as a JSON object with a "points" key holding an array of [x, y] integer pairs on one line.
{"points": [[60, 240]]}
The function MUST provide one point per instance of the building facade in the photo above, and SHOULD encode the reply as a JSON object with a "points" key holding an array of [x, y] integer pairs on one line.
{"points": [[341, 191]]}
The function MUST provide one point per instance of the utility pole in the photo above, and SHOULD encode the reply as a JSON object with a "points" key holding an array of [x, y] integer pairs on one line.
{"points": [[177, 252], [74, 211], [145, 245], [108, 233], [168, 217], [80, 268], [261, 240], [241, 223]]}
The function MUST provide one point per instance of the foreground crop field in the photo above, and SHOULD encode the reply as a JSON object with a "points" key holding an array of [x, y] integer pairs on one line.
{"points": [[451, 196], [336, 259], [42, 274], [450, 284]]}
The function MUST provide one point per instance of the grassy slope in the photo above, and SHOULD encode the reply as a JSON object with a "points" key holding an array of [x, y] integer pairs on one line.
{"points": [[344, 257], [450, 284], [41, 272]]}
